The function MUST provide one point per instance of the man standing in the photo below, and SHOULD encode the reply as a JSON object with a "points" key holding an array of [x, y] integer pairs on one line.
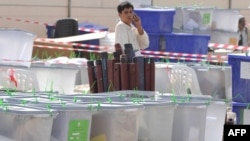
{"points": [[244, 38], [129, 29]]}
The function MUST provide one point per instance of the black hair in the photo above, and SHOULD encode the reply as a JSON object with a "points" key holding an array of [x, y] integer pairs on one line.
{"points": [[241, 19], [123, 5]]}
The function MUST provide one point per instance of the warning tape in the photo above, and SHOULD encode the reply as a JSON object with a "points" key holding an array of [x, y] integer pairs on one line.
{"points": [[88, 46], [212, 45], [70, 49], [187, 59], [167, 55], [183, 54], [75, 44], [230, 47], [144, 52], [25, 21], [47, 24]]}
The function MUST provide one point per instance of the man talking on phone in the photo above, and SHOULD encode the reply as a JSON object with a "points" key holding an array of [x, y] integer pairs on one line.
{"points": [[129, 29]]}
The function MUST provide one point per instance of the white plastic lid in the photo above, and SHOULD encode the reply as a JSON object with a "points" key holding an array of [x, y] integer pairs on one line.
{"points": [[116, 106], [23, 110], [32, 100], [16, 30]]}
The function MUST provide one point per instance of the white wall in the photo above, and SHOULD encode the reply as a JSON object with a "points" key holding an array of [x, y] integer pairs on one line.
{"points": [[101, 12]]}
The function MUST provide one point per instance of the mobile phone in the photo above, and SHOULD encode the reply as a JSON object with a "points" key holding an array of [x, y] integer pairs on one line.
{"points": [[134, 16]]}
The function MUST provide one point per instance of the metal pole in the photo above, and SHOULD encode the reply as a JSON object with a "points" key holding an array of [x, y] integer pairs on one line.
{"points": [[230, 4], [69, 8]]}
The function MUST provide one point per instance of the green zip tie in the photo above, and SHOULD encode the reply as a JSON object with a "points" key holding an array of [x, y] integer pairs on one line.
{"points": [[63, 104], [90, 107], [173, 96], [48, 106], [248, 105], [75, 99], [109, 100], [240, 98], [23, 102], [98, 105], [121, 96], [5, 108], [1, 102]]}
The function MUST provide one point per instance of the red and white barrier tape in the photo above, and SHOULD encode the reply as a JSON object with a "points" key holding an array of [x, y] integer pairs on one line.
{"points": [[76, 44], [153, 56], [46, 24], [226, 46], [212, 45], [183, 54], [186, 59], [25, 21], [70, 49], [111, 49], [170, 55]]}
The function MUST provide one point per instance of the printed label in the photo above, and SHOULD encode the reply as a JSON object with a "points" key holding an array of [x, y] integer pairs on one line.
{"points": [[233, 41], [244, 70], [78, 130], [206, 18]]}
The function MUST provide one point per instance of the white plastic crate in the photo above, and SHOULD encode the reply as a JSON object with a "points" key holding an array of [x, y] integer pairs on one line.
{"points": [[116, 122], [156, 121], [219, 86], [189, 117], [191, 19], [215, 120], [16, 47], [73, 121], [59, 77], [222, 37], [226, 20], [215, 114], [25, 79], [26, 124], [189, 122]]}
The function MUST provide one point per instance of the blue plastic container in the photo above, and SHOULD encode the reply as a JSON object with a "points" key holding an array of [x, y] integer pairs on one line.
{"points": [[186, 43], [50, 31], [155, 41], [240, 79], [239, 108], [156, 20]]}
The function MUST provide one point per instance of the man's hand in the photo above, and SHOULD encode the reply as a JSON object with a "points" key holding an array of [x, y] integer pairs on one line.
{"points": [[137, 23]]}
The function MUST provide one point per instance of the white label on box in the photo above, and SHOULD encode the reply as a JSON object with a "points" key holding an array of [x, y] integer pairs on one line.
{"points": [[246, 116], [244, 70]]}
